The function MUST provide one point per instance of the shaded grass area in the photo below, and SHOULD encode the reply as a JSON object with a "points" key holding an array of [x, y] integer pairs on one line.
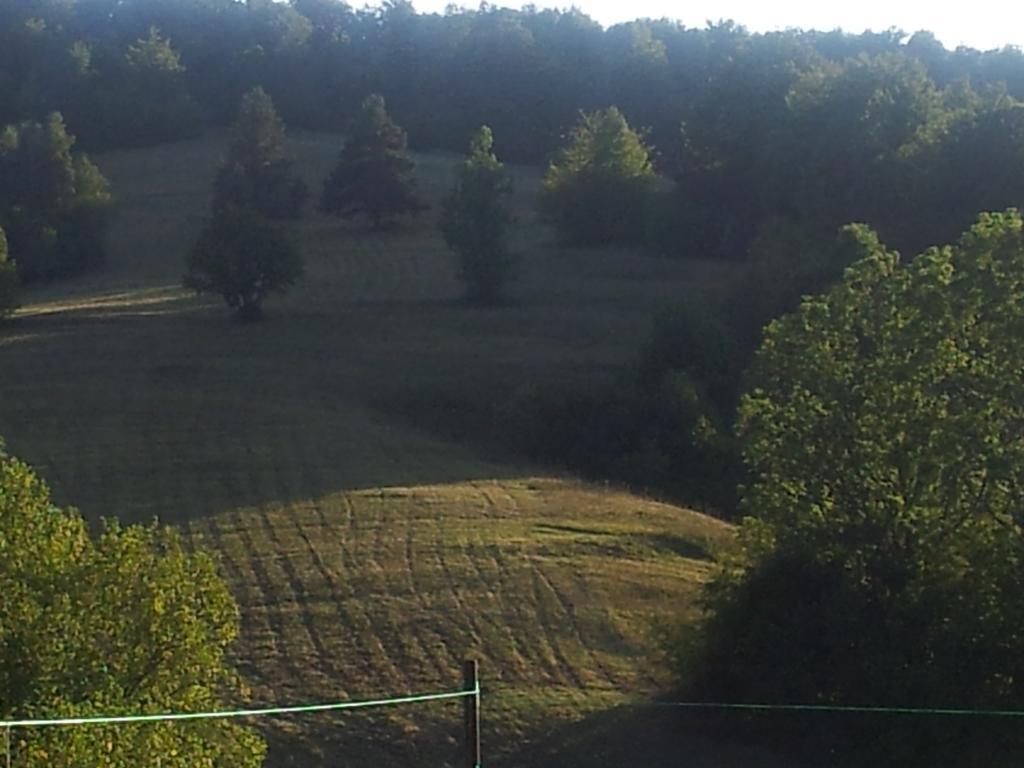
{"points": [[328, 456]]}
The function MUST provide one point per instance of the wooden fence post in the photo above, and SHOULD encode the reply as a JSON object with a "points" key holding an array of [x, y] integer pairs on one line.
{"points": [[471, 709]]}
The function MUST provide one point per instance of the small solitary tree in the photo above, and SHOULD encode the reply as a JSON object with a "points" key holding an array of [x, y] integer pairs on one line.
{"points": [[8, 280], [243, 257], [597, 188], [474, 221], [257, 174], [373, 176]]}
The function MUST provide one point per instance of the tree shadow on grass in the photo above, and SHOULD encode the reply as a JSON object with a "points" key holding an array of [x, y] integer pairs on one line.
{"points": [[639, 735]]}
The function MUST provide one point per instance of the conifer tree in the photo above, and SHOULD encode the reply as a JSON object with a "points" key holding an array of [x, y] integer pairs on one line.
{"points": [[474, 221], [257, 174], [373, 176]]}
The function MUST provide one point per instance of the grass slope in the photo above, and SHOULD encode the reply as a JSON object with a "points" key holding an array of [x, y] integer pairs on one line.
{"points": [[370, 556]]}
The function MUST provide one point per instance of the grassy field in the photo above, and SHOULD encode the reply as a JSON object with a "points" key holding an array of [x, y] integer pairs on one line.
{"points": [[370, 554]]}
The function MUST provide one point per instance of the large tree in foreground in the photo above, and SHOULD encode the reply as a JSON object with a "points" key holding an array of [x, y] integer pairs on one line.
{"points": [[373, 176], [125, 622], [474, 220], [597, 188], [257, 174], [243, 257], [884, 552]]}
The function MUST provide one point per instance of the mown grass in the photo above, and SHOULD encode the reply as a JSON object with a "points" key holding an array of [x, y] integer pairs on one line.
{"points": [[369, 555]]}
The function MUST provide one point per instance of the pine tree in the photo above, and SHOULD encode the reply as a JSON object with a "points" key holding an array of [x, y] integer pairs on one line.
{"points": [[373, 175], [474, 221], [257, 174]]}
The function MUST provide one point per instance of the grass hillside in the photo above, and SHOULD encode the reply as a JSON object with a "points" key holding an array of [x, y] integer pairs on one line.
{"points": [[369, 553]]}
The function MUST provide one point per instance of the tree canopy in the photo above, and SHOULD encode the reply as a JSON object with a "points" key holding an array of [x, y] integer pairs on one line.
{"points": [[125, 622], [474, 220], [884, 546], [373, 176]]}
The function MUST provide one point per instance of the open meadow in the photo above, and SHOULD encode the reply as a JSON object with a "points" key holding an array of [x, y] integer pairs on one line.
{"points": [[371, 548]]}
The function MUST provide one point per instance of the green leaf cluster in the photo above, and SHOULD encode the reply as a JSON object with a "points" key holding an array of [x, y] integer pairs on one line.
{"points": [[474, 220], [125, 622]]}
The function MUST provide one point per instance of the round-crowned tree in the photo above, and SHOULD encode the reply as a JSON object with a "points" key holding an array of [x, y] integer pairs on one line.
{"points": [[243, 257], [129, 621], [884, 548], [474, 220], [373, 176]]}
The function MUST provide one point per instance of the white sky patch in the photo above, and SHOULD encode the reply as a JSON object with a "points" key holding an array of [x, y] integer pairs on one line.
{"points": [[980, 24]]}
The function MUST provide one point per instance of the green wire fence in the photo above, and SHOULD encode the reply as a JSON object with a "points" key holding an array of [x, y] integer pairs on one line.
{"points": [[471, 693]]}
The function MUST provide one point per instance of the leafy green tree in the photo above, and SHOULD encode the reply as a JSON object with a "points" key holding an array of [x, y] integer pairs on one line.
{"points": [[596, 189], [884, 549], [474, 220], [373, 176], [257, 174], [126, 622], [54, 204], [243, 257], [8, 280]]}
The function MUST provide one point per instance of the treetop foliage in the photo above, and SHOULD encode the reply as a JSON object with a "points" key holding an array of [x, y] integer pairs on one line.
{"points": [[373, 131], [125, 622], [916, 366], [596, 188]]}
